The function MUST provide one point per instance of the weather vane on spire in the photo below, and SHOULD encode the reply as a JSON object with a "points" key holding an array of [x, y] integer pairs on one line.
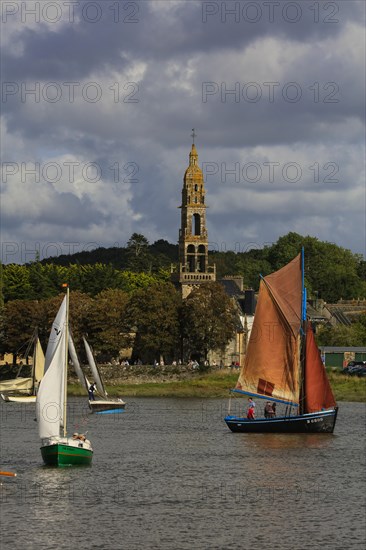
{"points": [[193, 135]]}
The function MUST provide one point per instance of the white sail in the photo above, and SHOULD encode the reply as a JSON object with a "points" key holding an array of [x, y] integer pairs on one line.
{"points": [[50, 398], [27, 385], [58, 327], [38, 362], [94, 369], [75, 361]]}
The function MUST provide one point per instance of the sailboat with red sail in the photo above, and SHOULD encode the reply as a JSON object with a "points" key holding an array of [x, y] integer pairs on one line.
{"points": [[283, 363]]}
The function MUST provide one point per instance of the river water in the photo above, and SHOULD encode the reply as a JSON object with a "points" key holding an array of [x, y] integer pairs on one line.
{"points": [[168, 474]]}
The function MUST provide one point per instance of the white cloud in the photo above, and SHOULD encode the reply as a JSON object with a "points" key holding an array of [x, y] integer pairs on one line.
{"points": [[150, 76]]}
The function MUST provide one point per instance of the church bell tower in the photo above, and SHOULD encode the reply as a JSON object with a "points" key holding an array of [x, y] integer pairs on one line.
{"points": [[193, 238]]}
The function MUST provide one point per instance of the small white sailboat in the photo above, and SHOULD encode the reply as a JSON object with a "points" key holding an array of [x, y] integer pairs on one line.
{"points": [[104, 403], [16, 390], [57, 449]]}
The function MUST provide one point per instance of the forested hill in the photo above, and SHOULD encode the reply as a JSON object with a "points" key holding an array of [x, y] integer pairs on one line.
{"points": [[331, 271], [159, 254]]}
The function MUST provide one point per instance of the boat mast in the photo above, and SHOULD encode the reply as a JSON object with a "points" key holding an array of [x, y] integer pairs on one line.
{"points": [[34, 359], [302, 331], [66, 357]]}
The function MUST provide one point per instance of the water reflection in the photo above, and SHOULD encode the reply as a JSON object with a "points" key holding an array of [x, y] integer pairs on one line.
{"points": [[172, 475], [288, 441]]}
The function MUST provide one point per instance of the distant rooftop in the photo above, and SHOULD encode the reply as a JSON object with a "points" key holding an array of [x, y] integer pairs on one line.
{"points": [[341, 349]]}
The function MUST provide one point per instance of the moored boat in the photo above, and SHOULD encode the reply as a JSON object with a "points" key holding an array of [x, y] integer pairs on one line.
{"points": [[9, 398], [104, 403], [107, 405], [24, 390]]}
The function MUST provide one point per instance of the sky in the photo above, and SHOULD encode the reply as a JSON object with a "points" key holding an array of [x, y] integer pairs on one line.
{"points": [[99, 100]]}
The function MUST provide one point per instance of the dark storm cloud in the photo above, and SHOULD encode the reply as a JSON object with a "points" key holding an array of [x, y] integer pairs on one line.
{"points": [[77, 49], [141, 147]]}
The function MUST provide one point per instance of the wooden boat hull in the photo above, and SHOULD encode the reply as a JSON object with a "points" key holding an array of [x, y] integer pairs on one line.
{"points": [[320, 422], [65, 454], [101, 405], [18, 398]]}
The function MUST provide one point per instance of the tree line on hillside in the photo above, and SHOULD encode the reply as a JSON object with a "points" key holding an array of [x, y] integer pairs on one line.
{"points": [[331, 271], [342, 335], [153, 320]]}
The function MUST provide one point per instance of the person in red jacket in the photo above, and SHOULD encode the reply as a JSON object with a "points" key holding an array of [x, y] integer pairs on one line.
{"points": [[251, 409]]}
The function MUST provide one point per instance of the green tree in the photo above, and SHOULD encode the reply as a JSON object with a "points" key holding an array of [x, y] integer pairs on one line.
{"points": [[107, 327], [153, 313], [56, 276], [130, 281], [21, 318], [251, 268], [341, 335], [47, 311], [16, 285], [226, 262], [209, 319], [92, 279], [42, 286], [330, 270], [2, 330], [139, 257], [81, 308], [284, 250]]}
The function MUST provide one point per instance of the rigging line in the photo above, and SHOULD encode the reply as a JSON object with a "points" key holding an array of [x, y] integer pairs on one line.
{"points": [[26, 345]]}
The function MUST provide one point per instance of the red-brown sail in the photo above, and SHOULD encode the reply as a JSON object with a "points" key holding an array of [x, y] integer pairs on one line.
{"points": [[318, 394], [272, 360]]}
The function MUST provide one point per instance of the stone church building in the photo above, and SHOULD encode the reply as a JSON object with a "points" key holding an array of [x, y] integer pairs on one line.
{"points": [[194, 267]]}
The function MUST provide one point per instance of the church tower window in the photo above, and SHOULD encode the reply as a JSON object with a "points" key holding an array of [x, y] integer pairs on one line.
{"points": [[196, 224]]}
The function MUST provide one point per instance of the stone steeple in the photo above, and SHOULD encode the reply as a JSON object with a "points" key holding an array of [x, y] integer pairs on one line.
{"points": [[193, 237]]}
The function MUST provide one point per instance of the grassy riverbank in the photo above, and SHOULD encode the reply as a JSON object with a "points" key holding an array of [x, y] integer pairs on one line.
{"points": [[217, 384]]}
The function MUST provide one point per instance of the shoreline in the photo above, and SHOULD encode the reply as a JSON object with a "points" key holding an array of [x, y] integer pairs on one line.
{"points": [[208, 385]]}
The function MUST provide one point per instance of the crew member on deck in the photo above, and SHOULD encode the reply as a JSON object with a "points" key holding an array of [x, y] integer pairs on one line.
{"points": [[92, 389], [251, 409], [268, 410]]}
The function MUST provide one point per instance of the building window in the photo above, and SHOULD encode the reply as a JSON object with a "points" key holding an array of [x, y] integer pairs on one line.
{"points": [[196, 224], [191, 257], [201, 260]]}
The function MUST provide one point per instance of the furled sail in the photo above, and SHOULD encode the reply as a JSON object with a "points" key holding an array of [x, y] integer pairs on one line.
{"points": [[94, 369], [272, 363], [21, 385], [318, 394], [50, 398]]}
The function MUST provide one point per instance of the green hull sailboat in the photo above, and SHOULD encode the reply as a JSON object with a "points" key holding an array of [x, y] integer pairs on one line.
{"points": [[66, 454], [56, 448]]}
